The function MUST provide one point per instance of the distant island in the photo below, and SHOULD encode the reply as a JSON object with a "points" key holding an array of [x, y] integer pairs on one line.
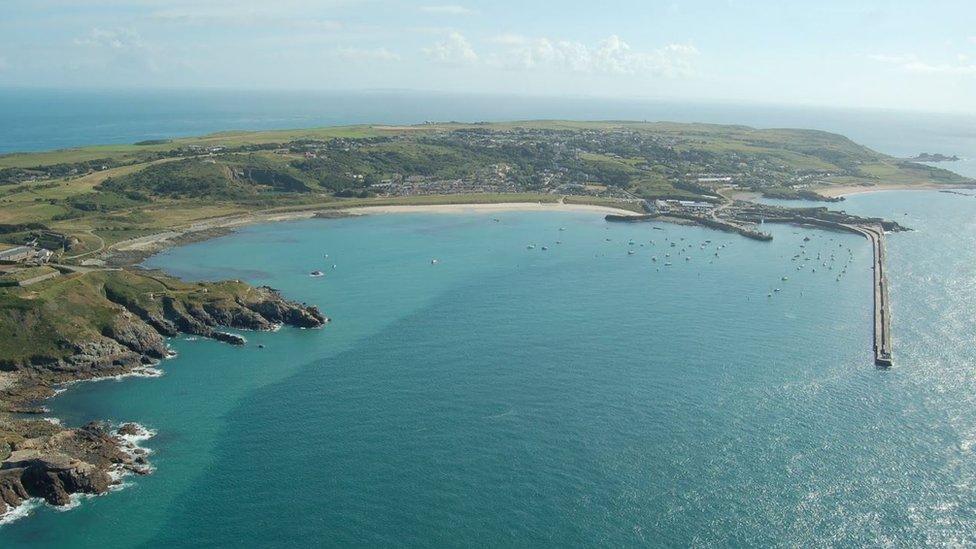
{"points": [[933, 157], [75, 223]]}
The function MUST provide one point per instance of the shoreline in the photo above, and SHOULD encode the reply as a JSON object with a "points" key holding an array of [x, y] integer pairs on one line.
{"points": [[486, 208], [850, 190], [136, 250]]}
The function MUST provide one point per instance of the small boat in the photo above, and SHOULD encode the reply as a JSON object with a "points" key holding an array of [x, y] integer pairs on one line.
{"points": [[562, 228], [654, 259], [544, 248], [316, 274], [333, 266], [434, 261], [667, 264], [631, 252], [530, 247], [785, 278], [775, 289]]}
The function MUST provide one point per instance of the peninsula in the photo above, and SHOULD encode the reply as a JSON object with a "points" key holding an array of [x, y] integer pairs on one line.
{"points": [[75, 223]]}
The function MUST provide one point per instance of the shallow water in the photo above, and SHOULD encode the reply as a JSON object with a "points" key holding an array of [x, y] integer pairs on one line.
{"points": [[573, 396]]}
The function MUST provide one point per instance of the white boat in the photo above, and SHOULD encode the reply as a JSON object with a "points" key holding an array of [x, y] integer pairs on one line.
{"points": [[316, 274], [434, 261]]}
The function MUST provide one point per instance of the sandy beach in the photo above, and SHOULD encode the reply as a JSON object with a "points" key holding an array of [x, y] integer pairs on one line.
{"points": [[488, 208], [156, 242], [846, 190]]}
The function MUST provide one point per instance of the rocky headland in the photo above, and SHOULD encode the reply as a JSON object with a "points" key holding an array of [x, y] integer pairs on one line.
{"points": [[100, 324]]}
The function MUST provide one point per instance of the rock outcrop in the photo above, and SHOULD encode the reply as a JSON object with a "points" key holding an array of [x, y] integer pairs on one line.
{"points": [[106, 323], [87, 460]]}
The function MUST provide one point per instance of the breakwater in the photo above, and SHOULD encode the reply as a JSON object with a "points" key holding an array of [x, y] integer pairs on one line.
{"points": [[882, 307], [712, 223]]}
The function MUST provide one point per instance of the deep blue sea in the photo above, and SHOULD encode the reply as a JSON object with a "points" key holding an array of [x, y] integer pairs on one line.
{"points": [[42, 119], [575, 396]]}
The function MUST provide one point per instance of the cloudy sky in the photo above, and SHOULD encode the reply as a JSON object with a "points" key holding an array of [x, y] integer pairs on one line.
{"points": [[890, 54]]}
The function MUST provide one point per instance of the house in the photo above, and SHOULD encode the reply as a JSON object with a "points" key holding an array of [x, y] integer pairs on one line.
{"points": [[42, 255], [19, 253]]}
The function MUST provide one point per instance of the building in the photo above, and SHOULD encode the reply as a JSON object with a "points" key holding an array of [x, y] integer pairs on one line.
{"points": [[25, 254], [695, 206], [42, 256], [20, 253]]}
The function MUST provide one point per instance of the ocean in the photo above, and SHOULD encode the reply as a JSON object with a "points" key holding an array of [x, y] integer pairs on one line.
{"points": [[43, 119], [575, 396], [513, 396]]}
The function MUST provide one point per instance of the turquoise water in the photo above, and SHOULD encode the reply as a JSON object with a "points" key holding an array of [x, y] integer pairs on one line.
{"points": [[574, 396]]}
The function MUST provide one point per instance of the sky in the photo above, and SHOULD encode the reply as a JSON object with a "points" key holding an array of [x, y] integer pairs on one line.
{"points": [[918, 55]]}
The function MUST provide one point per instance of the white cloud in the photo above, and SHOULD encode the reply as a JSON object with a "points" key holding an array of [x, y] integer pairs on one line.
{"points": [[118, 39], [454, 50], [451, 9], [610, 56], [360, 54], [913, 64], [510, 39]]}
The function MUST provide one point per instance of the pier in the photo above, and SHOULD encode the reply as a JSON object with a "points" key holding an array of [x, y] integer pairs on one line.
{"points": [[882, 308]]}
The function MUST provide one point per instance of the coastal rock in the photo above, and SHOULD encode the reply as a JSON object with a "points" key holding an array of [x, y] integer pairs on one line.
{"points": [[138, 336], [97, 358], [280, 311], [69, 461], [228, 338], [130, 429], [200, 314], [237, 317], [12, 491], [55, 477]]}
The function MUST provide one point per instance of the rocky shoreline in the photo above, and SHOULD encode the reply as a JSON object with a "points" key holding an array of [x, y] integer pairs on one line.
{"points": [[39, 458]]}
